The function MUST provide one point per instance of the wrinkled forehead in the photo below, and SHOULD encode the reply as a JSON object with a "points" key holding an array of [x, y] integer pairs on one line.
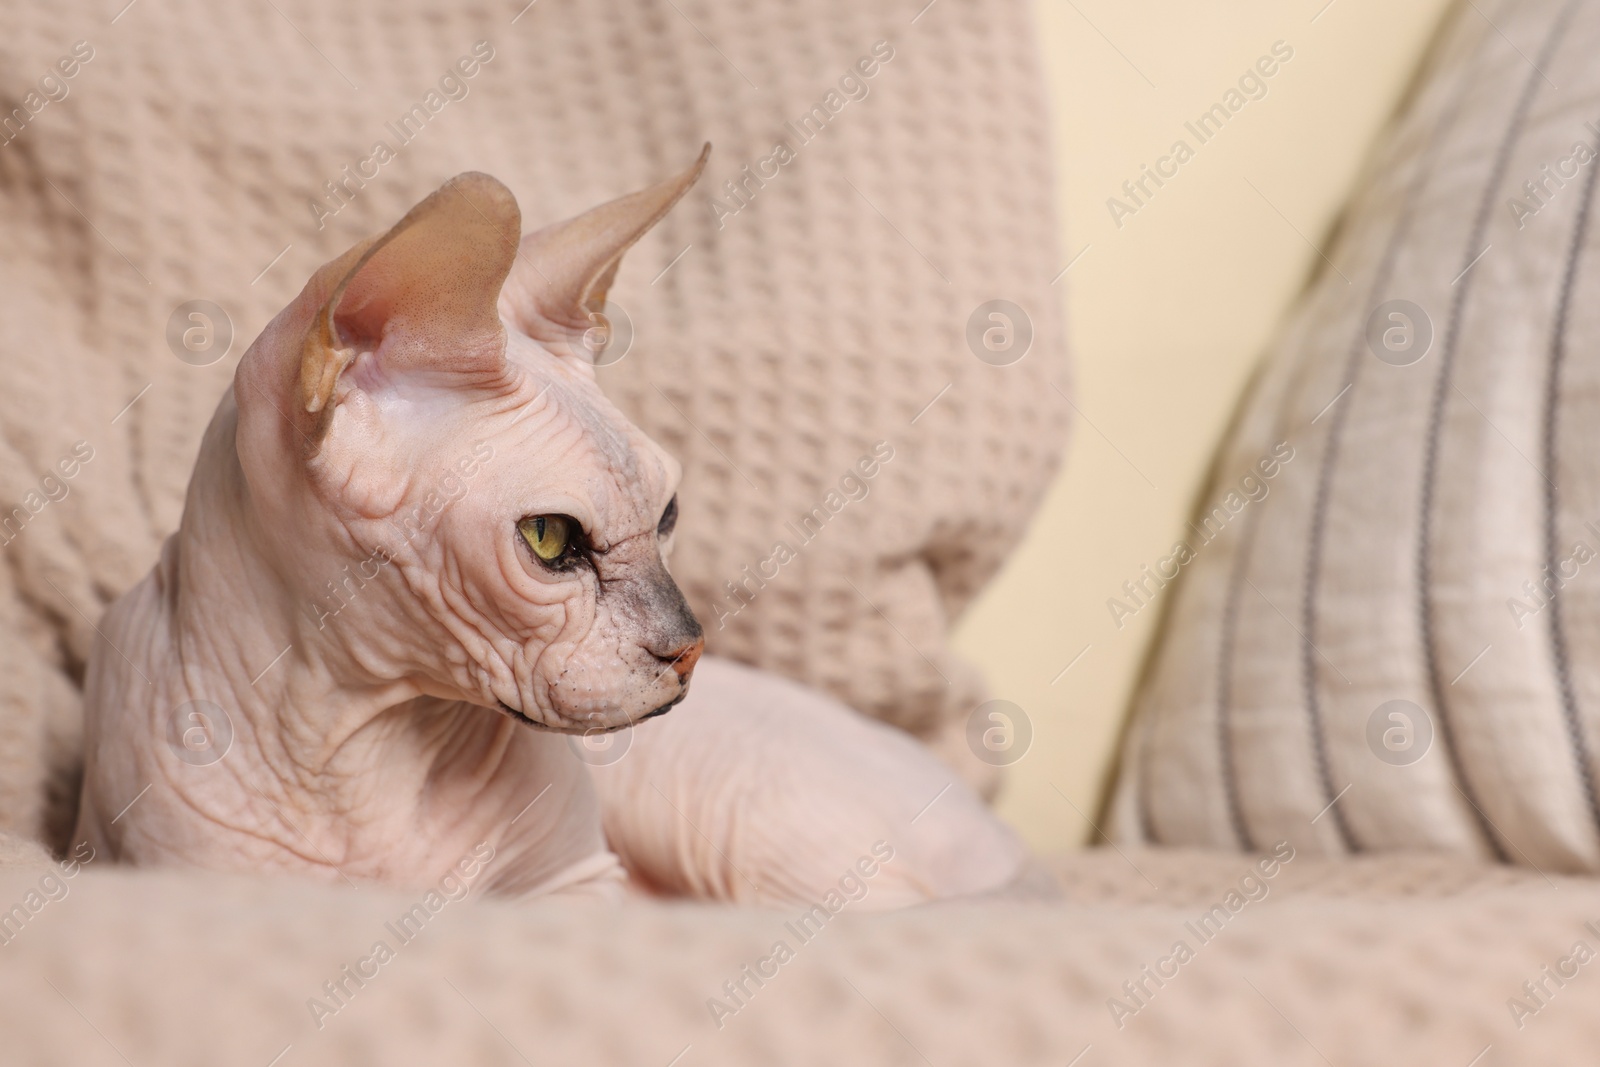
{"points": [[561, 397]]}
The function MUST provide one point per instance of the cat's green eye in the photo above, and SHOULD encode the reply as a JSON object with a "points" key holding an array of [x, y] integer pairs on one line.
{"points": [[548, 535]]}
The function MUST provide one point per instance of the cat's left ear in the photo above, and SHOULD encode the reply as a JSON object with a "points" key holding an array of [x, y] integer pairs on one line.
{"points": [[559, 282], [422, 297]]}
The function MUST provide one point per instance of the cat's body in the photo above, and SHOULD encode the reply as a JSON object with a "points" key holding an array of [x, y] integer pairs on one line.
{"points": [[420, 552]]}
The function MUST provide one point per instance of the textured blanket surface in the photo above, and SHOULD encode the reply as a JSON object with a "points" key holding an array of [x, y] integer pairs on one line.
{"points": [[806, 306], [1391, 961]]}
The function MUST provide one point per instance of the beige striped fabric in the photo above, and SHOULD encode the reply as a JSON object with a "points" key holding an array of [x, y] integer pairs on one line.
{"points": [[1399, 647]]}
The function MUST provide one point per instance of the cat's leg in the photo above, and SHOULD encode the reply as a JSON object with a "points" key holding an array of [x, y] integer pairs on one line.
{"points": [[759, 790], [600, 875], [539, 822]]}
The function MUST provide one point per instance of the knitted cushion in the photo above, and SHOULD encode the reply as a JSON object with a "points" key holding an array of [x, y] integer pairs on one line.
{"points": [[1399, 646], [800, 324]]}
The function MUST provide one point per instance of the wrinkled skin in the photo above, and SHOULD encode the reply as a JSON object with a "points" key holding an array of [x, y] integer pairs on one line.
{"points": [[761, 791], [389, 676]]}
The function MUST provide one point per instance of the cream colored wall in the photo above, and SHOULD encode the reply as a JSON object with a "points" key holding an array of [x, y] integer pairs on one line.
{"points": [[1168, 314]]}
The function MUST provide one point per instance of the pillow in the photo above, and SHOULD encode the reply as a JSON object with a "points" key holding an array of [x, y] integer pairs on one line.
{"points": [[800, 325], [1394, 642]]}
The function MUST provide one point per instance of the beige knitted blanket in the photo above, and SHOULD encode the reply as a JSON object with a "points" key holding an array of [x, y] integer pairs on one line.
{"points": [[1404, 961]]}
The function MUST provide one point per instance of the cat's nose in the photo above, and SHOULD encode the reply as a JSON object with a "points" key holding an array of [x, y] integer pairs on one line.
{"points": [[683, 660], [674, 636]]}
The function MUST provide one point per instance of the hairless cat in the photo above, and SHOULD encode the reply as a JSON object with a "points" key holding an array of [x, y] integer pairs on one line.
{"points": [[420, 553]]}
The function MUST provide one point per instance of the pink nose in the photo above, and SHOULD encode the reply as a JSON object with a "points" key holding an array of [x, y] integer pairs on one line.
{"points": [[683, 660]]}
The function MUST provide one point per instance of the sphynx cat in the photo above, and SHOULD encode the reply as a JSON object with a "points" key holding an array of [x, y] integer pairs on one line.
{"points": [[419, 553]]}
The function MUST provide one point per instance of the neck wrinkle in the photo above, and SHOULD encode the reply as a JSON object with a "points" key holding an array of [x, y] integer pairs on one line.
{"points": [[296, 700]]}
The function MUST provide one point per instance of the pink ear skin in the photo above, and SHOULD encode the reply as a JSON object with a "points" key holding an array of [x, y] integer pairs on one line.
{"points": [[563, 271], [424, 296], [757, 790], [429, 294], [424, 293]]}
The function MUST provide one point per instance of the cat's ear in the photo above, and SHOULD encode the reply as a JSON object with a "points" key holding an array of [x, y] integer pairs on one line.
{"points": [[422, 298], [562, 273]]}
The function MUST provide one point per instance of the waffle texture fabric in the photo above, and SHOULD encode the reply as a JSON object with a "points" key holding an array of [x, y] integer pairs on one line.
{"points": [[800, 320], [1402, 641], [1394, 960]]}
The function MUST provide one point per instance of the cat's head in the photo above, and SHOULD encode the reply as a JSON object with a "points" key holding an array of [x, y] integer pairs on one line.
{"points": [[439, 478]]}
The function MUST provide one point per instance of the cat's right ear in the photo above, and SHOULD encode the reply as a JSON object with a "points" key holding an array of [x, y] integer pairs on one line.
{"points": [[419, 302], [558, 284]]}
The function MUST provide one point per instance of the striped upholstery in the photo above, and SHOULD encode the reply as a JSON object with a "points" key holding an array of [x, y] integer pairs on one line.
{"points": [[1435, 538]]}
